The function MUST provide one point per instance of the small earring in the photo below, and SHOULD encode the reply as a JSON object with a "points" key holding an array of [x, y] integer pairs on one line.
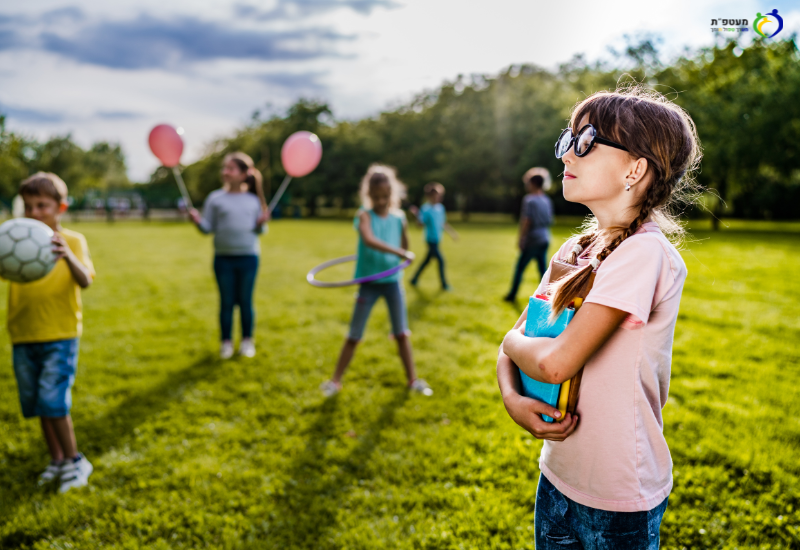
{"points": [[628, 187]]}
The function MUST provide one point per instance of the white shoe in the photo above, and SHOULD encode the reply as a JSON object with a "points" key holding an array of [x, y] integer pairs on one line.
{"points": [[75, 473], [247, 348], [52, 472], [226, 350], [421, 386], [330, 388]]}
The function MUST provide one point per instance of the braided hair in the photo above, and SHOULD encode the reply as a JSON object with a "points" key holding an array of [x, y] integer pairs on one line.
{"points": [[653, 128]]}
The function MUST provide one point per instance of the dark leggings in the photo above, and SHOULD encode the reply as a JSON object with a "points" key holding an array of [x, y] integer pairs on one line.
{"points": [[433, 252], [236, 277], [536, 252]]}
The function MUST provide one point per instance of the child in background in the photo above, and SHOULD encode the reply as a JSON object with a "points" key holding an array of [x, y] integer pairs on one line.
{"points": [[605, 482], [45, 323], [432, 216], [235, 215], [382, 244], [534, 220]]}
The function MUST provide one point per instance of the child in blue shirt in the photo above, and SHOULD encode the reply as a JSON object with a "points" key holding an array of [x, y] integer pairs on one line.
{"points": [[432, 216], [382, 244]]}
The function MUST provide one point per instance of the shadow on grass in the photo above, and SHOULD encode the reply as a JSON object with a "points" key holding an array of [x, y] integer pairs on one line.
{"points": [[19, 472], [309, 505], [108, 431], [417, 306]]}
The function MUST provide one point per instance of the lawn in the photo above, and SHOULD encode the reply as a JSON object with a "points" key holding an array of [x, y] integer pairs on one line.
{"points": [[192, 452]]}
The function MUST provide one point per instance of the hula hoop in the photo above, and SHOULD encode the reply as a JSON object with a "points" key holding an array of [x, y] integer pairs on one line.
{"points": [[360, 280]]}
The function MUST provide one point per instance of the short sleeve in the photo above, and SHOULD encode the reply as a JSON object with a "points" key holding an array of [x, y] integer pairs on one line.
{"points": [[630, 277]]}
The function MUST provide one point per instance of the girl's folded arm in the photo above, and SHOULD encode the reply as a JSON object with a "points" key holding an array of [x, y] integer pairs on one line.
{"points": [[556, 360]]}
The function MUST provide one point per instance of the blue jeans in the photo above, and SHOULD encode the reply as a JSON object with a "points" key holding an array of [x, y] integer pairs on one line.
{"points": [[536, 252], [236, 278], [368, 294], [433, 252], [45, 374], [563, 524]]}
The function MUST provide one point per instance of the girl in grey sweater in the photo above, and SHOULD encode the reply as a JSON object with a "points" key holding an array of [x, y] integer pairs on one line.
{"points": [[235, 215]]}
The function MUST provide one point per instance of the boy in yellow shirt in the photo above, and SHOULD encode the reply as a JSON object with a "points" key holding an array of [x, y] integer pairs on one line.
{"points": [[44, 322]]}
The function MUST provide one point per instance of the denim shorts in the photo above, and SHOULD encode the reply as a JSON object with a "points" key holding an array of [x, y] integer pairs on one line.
{"points": [[45, 374], [563, 524], [368, 294]]}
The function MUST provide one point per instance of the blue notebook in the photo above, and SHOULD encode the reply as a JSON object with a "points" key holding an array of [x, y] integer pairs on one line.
{"points": [[537, 325]]}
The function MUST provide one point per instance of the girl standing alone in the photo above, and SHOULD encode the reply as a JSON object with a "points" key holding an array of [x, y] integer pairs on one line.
{"points": [[235, 215], [382, 244], [605, 482]]}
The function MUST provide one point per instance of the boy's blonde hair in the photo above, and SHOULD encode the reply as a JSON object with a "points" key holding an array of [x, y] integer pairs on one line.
{"points": [[46, 184], [376, 175], [433, 187]]}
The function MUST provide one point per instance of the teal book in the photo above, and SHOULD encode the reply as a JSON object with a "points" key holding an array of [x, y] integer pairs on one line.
{"points": [[538, 326]]}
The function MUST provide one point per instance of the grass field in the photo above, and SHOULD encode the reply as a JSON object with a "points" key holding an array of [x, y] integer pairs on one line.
{"points": [[192, 452]]}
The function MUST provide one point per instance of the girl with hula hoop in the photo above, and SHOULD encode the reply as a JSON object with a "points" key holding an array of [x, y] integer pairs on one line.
{"points": [[605, 481], [382, 245], [235, 215]]}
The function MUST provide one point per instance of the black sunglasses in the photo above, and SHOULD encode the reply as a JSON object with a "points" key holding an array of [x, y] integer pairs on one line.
{"points": [[583, 141]]}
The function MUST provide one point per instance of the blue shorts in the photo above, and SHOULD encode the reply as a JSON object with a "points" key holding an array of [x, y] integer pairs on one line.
{"points": [[563, 524], [368, 294], [45, 374]]}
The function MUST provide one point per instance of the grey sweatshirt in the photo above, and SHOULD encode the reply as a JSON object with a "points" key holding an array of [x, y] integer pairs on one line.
{"points": [[232, 217]]}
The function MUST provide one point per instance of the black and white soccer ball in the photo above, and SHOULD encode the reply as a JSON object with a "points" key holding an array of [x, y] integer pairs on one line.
{"points": [[26, 250]]}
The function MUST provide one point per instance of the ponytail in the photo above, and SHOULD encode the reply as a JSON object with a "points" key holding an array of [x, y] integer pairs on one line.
{"points": [[254, 182]]}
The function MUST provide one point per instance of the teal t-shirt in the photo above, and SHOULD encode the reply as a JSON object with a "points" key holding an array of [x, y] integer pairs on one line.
{"points": [[389, 229], [433, 218]]}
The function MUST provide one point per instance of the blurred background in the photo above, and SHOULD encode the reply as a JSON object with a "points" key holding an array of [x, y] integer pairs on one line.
{"points": [[470, 94]]}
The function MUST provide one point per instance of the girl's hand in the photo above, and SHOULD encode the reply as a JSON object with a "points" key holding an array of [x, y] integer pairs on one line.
{"points": [[414, 210], [526, 412], [408, 255], [264, 217], [194, 215]]}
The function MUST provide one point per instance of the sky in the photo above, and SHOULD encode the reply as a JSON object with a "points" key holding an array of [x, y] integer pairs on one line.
{"points": [[111, 71]]}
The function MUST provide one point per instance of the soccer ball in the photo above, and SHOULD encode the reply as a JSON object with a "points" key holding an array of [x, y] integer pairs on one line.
{"points": [[26, 250]]}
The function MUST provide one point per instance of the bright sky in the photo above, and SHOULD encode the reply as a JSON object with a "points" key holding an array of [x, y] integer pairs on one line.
{"points": [[112, 70]]}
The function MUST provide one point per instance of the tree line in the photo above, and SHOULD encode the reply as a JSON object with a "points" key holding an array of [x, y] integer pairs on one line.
{"points": [[478, 134]]}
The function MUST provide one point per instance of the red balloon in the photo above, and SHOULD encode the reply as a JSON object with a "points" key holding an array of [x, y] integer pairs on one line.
{"points": [[166, 144], [301, 153]]}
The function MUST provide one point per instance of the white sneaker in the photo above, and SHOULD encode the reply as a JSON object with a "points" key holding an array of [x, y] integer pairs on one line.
{"points": [[330, 388], [421, 386], [75, 473], [247, 348], [52, 472], [226, 350]]}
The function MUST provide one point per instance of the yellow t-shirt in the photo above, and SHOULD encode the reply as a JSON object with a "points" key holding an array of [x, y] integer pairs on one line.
{"points": [[50, 308]]}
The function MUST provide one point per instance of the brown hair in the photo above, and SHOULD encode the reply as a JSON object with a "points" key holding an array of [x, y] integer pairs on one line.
{"points": [[653, 128], [254, 180], [46, 184], [378, 174], [433, 187]]}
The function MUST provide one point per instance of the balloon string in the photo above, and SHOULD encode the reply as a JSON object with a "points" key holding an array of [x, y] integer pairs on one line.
{"points": [[182, 187], [279, 193]]}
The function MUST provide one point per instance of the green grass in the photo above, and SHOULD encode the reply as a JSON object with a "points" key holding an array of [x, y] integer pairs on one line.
{"points": [[191, 452]]}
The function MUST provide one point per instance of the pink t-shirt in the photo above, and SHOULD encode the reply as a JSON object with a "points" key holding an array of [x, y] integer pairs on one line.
{"points": [[617, 459]]}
